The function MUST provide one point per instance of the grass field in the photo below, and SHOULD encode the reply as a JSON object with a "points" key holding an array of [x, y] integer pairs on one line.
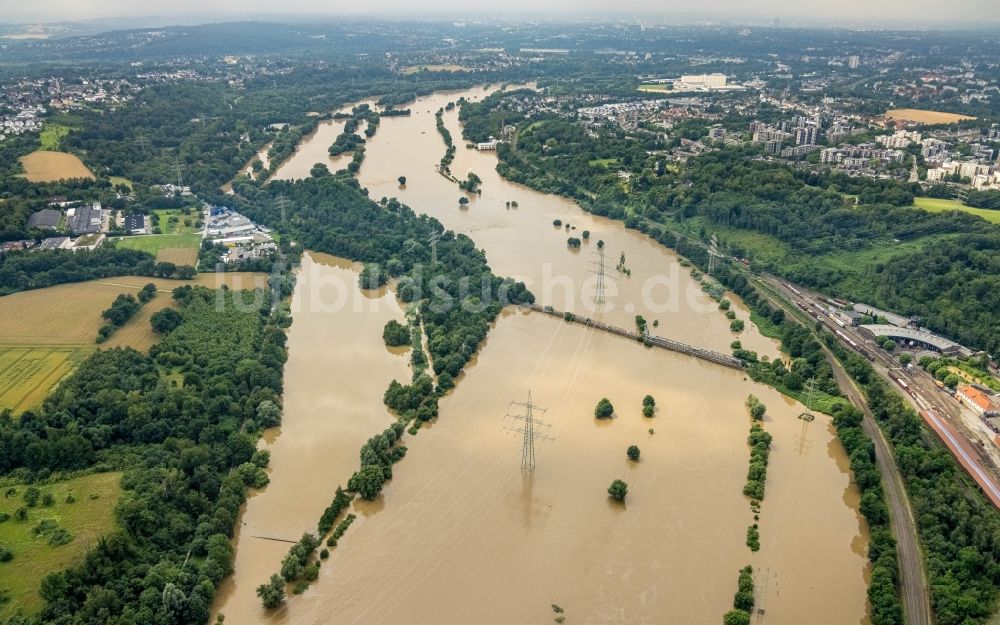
{"points": [[87, 519], [117, 180], [925, 117], [657, 88], [28, 374], [171, 221], [157, 243], [47, 166], [937, 205], [603, 162], [51, 135]]}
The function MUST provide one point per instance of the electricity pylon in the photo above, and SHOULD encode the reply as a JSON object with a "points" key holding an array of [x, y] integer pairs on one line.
{"points": [[283, 203], [530, 422], [433, 239], [600, 269]]}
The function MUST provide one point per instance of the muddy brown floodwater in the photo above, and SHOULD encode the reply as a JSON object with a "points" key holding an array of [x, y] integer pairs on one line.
{"points": [[460, 534], [315, 147], [337, 371], [247, 169]]}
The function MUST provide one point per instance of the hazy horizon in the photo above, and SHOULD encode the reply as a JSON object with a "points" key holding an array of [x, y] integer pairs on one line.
{"points": [[906, 13]]}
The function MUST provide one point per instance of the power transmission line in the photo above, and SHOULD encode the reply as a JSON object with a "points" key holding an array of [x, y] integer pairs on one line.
{"points": [[527, 430], [600, 270]]}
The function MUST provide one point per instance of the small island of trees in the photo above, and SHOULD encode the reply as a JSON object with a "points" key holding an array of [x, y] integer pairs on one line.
{"points": [[618, 490], [604, 409], [395, 334]]}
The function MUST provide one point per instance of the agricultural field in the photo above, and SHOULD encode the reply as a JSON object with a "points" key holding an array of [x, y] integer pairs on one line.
{"points": [[70, 314], [178, 255], [28, 374], [82, 506], [926, 117], [166, 247], [937, 205], [48, 166]]}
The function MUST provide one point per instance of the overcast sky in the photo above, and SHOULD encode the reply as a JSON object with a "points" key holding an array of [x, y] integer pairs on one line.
{"points": [[790, 11]]}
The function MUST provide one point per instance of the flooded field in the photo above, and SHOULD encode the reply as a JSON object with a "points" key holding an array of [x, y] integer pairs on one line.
{"points": [[337, 371], [460, 534], [247, 169], [314, 149]]}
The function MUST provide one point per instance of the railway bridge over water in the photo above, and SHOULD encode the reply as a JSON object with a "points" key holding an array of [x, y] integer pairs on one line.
{"points": [[647, 339]]}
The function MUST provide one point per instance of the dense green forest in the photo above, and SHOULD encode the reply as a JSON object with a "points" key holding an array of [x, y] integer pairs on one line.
{"points": [[877, 248], [36, 269], [182, 424]]}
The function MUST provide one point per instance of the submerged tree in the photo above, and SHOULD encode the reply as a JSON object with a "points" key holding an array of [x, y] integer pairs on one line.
{"points": [[604, 409], [272, 594], [618, 490], [633, 453]]}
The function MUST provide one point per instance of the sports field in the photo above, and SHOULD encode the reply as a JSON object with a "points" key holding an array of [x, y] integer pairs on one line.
{"points": [[87, 516], [925, 117], [937, 205], [46, 166]]}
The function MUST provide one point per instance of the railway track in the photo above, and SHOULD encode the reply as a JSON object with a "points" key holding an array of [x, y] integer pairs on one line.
{"points": [[655, 341], [913, 589]]}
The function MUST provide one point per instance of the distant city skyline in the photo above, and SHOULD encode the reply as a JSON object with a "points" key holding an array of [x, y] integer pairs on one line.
{"points": [[813, 12]]}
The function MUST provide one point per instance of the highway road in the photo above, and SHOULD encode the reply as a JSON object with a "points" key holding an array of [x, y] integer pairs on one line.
{"points": [[912, 578]]}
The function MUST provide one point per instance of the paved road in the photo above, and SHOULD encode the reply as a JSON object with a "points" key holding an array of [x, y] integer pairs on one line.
{"points": [[912, 580]]}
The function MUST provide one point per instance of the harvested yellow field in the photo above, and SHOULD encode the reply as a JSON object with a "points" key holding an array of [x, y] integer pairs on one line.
{"points": [[45, 166], [28, 374], [46, 333], [925, 117], [178, 256], [70, 314]]}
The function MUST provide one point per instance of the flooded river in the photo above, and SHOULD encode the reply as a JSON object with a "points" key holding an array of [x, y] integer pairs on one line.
{"points": [[336, 374], [460, 534]]}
